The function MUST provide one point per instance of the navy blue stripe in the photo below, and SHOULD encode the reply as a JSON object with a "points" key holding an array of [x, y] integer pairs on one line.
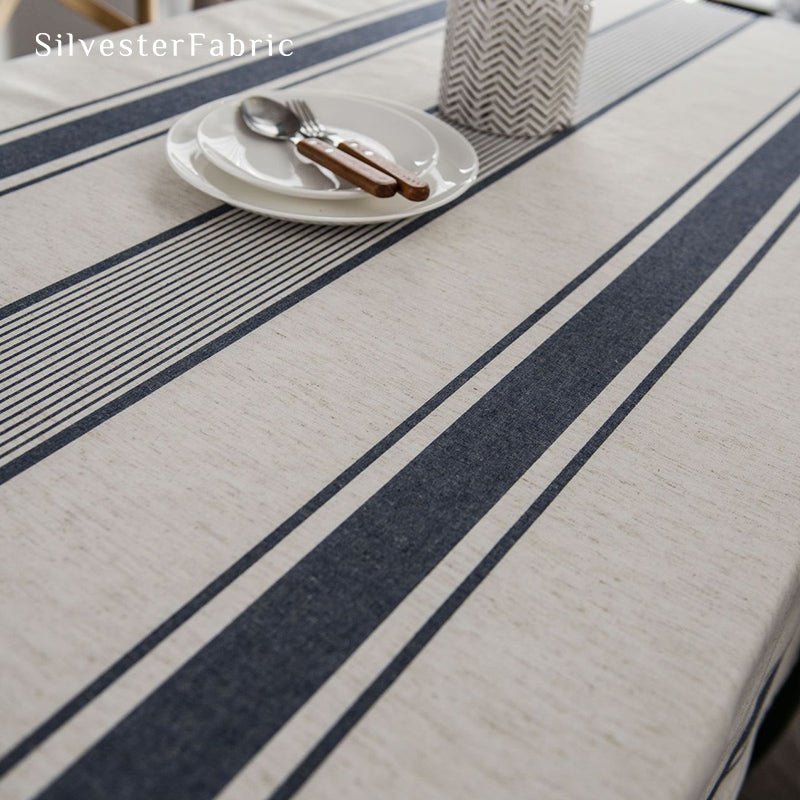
{"points": [[61, 170], [201, 726], [61, 140], [436, 622], [108, 263], [203, 67], [165, 339], [311, 32], [317, 74], [748, 731], [113, 407], [738, 7], [179, 256], [69, 167], [135, 654]]}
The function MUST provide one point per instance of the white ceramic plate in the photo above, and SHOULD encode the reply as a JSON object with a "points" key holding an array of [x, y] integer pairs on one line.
{"points": [[228, 144], [455, 170]]}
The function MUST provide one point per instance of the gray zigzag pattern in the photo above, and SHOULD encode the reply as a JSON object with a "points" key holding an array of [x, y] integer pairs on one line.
{"points": [[513, 66]]}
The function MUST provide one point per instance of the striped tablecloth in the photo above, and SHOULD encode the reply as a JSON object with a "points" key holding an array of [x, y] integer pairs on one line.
{"points": [[500, 501]]}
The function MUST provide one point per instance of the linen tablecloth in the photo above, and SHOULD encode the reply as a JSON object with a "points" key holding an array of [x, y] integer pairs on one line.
{"points": [[500, 501]]}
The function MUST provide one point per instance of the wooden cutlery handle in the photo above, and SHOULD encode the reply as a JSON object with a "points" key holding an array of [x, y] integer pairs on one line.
{"points": [[346, 166], [409, 185]]}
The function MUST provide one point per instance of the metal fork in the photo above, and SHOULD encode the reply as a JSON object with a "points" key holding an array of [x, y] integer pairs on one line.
{"points": [[359, 171], [309, 125], [408, 184]]}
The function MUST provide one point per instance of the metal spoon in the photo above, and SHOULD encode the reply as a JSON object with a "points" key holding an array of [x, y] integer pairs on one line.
{"points": [[273, 120]]}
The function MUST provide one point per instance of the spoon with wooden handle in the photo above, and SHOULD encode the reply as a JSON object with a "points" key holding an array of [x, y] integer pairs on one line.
{"points": [[273, 120]]}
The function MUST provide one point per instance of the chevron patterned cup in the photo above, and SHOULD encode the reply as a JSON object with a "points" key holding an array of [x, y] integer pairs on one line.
{"points": [[512, 66]]}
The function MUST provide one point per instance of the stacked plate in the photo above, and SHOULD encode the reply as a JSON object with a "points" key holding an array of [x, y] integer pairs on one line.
{"points": [[211, 149]]}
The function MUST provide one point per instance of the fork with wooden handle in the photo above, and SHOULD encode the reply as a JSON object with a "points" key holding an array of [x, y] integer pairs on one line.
{"points": [[408, 184], [273, 120]]}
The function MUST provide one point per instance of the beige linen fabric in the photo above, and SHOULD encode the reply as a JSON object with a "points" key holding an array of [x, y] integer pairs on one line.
{"points": [[618, 650]]}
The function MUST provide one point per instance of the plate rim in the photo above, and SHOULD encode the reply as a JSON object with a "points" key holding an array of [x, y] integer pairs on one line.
{"points": [[316, 219]]}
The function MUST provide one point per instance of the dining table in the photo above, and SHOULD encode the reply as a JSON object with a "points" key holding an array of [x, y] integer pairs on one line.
{"points": [[496, 500]]}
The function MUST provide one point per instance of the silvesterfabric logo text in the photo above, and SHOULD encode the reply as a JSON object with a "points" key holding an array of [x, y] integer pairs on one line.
{"points": [[141, 46]]}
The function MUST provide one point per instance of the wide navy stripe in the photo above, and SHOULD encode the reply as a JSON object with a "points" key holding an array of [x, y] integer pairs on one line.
{"points": [[169, 373], [159, 634], [192, 735], [442, 615], [89, 272], [202, 68], [61, 140], [215, 64], [317, 74]]}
